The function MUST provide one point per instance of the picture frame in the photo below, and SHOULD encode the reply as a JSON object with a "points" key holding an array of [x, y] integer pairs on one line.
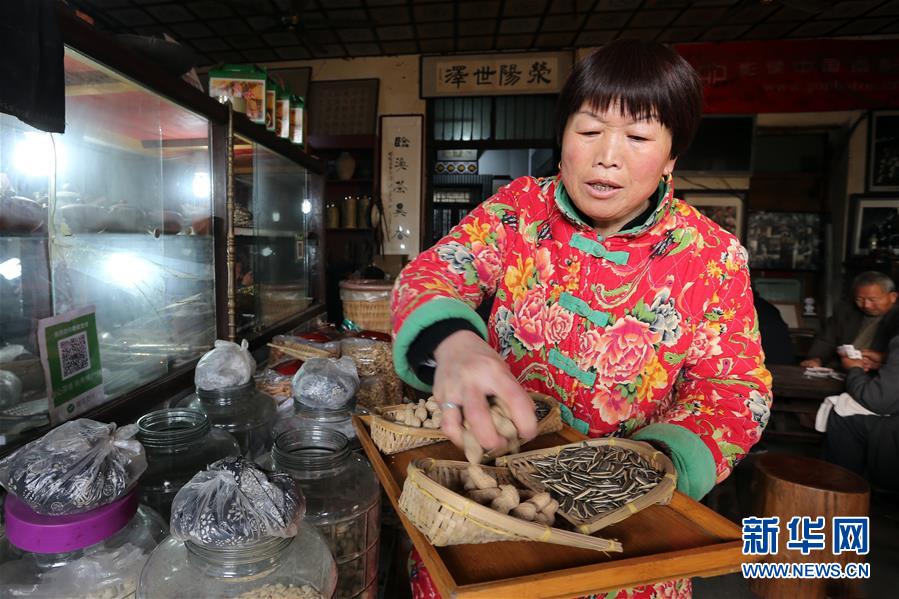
{"points": [[784, 240], [780, 290], [868, 214], [883, 152], [725, 208], [343, 107]]}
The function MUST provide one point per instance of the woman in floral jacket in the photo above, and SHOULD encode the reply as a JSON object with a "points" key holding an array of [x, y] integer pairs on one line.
{"points": [[609, 294]]}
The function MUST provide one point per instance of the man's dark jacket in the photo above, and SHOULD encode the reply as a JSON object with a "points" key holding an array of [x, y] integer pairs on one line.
{"points": [[843, 327]]}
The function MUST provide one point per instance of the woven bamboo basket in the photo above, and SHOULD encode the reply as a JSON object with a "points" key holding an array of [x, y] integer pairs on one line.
{"points": [[367, 303], [431, 502], [300, 351], [521, 468], [392, 437]]}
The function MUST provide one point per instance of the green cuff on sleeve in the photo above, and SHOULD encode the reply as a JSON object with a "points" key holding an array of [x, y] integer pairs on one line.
{"points": [[577, 424], [691, 457], [432, 311]]}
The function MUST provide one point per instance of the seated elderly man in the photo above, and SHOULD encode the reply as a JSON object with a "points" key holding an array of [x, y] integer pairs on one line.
{"points": [[863, 324], [868, 441]]}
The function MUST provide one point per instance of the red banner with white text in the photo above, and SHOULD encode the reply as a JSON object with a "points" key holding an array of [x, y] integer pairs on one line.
{"points": [[796, 75]]}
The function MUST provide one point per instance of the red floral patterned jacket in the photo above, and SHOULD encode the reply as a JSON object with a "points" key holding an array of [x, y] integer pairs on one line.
{"points": [[649, 333]]}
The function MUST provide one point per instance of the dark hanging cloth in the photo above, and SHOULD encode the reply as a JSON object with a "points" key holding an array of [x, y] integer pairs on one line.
{"points": [[32, 83]]}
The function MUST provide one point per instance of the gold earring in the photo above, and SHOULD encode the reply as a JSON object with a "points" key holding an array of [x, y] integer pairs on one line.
{"points": [[560, 165]]}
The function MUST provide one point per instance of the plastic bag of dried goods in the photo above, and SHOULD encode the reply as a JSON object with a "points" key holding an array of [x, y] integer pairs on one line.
{"points": [[78, 466], [226, 365], [236, 502], [326, 383]]}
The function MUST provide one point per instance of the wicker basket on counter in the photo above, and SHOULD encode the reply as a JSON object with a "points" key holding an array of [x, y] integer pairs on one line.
{"points": [[521, 468], [393, 437], [430, 501], [367, 303]]}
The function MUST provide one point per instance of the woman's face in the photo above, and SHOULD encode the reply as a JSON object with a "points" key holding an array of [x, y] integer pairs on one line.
{"points": [[611, 164]]}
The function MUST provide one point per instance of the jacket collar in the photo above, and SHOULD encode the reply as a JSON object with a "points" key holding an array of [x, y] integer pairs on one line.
{"points": [[660, 200]]}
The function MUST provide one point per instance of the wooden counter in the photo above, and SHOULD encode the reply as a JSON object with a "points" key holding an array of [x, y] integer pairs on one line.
{"points": [[796, 401], [790, 382], [682, 539]]}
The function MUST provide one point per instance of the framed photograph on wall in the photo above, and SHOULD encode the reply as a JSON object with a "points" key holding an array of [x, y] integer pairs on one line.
{"points": [[883, 151], [873, 219], [724, 207], [784, 240]]}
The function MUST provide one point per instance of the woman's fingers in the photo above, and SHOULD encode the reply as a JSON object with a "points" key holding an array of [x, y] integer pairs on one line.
{"points": [[468, 371], [451, 422], [518, 405], [479, 422]]}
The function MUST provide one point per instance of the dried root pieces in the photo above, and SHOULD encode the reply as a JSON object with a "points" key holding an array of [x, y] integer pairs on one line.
{"points": [[506, 499]]}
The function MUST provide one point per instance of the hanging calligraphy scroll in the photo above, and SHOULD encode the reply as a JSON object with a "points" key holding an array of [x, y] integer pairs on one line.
{"points": [[494, 74], [401, 181]]}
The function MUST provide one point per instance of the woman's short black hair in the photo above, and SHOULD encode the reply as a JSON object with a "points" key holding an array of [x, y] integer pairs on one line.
{"points": [[648, 79]]}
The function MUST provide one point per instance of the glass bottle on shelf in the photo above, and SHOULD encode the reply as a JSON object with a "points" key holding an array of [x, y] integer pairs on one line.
{"points": [[348, 213], [178, 443], [332, 212], [242, 411], [342, 502], [363, 212]]}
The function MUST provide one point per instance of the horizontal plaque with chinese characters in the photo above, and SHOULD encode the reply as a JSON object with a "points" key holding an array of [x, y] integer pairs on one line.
{"points": [[494, 74]]}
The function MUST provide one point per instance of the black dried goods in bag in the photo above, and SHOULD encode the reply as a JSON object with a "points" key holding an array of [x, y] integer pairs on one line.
{"points": [[235, 502], [79, 466]]}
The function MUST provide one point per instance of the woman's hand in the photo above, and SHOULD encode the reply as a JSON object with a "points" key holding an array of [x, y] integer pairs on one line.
{"points": [[468, 370]]}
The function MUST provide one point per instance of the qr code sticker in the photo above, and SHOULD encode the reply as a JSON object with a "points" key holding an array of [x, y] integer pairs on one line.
{"points": [[73, 355]]}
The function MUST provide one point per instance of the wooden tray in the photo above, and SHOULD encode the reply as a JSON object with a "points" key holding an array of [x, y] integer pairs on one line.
{"points": [[678, 540]]}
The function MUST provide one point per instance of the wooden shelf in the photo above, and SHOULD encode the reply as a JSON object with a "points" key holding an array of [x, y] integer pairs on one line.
{"points": [[350, 230]]}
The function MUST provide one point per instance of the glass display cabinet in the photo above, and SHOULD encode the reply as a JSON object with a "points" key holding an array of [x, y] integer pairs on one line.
{"points": [[179, 221], [115, 214], [273, 214]]}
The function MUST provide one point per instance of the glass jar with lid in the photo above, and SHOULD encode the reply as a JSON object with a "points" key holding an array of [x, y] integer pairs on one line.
{"points": [[99, 553], [342, 501], [247, 414], [339, 420], [178, 443], [299, 567]]}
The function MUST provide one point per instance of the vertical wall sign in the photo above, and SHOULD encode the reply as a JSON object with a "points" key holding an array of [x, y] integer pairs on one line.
{"points": [[401, 181]]}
